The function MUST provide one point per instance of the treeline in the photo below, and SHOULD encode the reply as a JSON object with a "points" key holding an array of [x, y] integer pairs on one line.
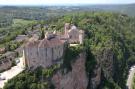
{"points": [[28, 13], [5, 21]]}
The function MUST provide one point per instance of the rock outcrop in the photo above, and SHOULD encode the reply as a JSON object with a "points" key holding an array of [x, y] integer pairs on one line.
{"points": [[95, 79], [107, 61], [75, 79], [103, 69]]}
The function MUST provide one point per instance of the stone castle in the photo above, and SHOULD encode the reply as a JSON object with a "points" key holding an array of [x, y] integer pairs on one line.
{"points": [[73, 34], [50, 50]]}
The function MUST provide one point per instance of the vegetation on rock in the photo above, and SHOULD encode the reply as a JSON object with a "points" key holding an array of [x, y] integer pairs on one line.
{"points": [[109, 45]]}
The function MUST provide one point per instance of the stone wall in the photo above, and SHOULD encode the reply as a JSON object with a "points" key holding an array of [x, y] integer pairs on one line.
{"points": [[43, 56], [73, 34], [31, 56]]}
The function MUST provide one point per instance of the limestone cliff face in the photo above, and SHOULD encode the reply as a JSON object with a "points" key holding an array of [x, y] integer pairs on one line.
{"points": [[95, 78], [76, 79], [107, 62], [103, 69]]}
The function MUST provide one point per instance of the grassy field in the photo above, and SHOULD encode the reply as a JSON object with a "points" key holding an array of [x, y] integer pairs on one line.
{"points": [[17, 27], [20, 22]]}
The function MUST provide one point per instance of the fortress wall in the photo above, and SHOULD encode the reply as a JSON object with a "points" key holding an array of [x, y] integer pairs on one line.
{"points": [[58, 49], [61, 50], [41, 54], [49, 57], [35, 56], [74, 36], [31, 55], [26, 56], [81, 37], [54, 53], [58, 53]]}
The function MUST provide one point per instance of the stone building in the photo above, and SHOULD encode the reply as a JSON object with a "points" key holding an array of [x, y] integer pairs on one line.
{"points": [[74, 34], [44, 52], [50, 50], [21, 38], [6, 60]]}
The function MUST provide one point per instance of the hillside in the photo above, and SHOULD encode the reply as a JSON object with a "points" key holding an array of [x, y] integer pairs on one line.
{"points": [[128, 9], [48, 12], [109, 47]]}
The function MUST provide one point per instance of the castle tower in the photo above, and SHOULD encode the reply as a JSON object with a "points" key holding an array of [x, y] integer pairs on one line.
{"points": [[81, 36], [67, 27], [23, 60], [54, 32]]}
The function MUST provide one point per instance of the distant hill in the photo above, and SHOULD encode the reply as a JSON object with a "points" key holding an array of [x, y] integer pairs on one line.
{"points": [[128, 9], [48, 12]]}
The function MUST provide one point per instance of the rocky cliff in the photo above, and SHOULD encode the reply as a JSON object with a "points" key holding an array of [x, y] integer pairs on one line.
{"points": [[106, 71], [78, 79], [75, 79], [103, 70]]}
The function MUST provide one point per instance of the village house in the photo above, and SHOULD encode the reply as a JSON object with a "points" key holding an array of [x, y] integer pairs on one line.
{"points": [[21, 38], [6, 60]]}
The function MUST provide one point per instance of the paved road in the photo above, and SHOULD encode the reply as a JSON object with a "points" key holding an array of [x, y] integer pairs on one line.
{"points": [[130, 77], [9, 74]]}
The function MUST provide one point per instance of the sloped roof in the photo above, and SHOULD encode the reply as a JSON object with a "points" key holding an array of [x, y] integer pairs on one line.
{"points": [[50, 42], [32, 43]]}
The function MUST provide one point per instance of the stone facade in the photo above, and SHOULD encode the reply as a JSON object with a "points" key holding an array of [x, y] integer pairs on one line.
{"points": [[44, 52], [6, 60], [74, 34], [21, 38], [48, 51]]}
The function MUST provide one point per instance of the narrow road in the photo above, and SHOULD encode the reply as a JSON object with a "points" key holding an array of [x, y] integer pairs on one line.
{"points": [[9, 74], [130, 77]]}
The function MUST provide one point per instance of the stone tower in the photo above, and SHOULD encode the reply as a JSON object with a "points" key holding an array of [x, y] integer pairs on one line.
{"points": [[23, 64], [81, 36], [66, 28]]}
